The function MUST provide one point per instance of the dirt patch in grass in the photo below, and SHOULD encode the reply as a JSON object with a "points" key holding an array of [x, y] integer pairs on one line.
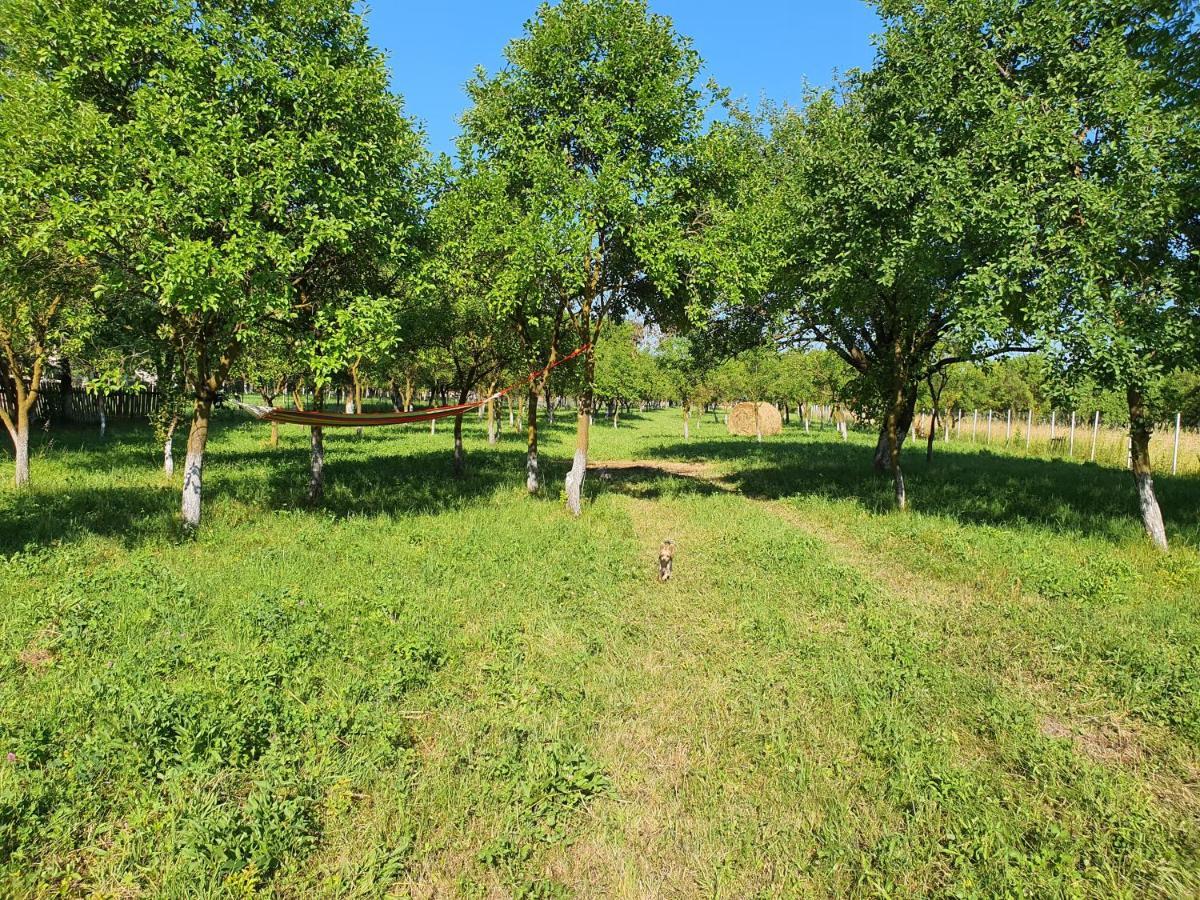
{"points": [[36, 657], [1104, 742]]}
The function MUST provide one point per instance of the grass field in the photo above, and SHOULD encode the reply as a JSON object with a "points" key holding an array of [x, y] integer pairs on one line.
{"points": [[441, 688]]}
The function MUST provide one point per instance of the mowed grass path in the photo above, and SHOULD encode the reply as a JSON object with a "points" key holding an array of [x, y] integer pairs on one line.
{"points": [[441, 688]]}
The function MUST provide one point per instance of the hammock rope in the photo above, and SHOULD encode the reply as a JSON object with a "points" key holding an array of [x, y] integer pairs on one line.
{"points": [[321, 419]]}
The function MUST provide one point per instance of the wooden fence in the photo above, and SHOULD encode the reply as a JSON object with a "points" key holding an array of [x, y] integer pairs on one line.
{"points": [[83, 407]]}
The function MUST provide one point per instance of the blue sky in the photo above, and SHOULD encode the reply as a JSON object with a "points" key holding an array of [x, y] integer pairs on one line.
{"points": [[757, 48]]}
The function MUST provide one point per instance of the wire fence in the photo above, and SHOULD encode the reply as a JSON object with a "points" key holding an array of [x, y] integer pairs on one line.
{"points": [[1068, 435], [1174, 449]]}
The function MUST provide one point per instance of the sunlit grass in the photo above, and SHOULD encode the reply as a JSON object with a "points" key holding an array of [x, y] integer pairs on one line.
{"points": [[441, 687]]}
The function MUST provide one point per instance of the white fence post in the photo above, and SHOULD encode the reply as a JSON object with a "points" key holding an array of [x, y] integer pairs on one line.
{"points": [[1053, 416], [1072, 453], [1095, 434], [1029, 428], [989, 437], [1175, 452], [974, 426], [1008, 429]]}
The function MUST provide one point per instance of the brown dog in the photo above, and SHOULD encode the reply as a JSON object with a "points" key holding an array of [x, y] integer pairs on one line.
{"points": [[666, 557]]}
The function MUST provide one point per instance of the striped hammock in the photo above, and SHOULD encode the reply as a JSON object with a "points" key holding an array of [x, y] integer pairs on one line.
{"points": [[321, 419]]}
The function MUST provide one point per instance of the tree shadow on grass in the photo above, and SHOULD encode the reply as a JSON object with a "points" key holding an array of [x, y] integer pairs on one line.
{"points": [[977, 487], [360, 481], [645, 483], [43, 517], [126, 499]]}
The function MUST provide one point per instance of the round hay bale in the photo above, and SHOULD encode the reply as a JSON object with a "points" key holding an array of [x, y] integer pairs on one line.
{"points": [[742, 420]]}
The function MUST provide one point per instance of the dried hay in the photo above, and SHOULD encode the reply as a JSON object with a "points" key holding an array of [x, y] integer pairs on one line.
{"points": [[742, 420]]}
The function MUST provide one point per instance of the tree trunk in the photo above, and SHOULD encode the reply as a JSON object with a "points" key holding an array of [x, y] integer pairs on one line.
{"points": [[408, 395], [169, 449], [533, 475], [66, 387], [20, 438], [895, 437], [578, 471], [1140, 428], [21, 446], [903, 421], [274, 434], [687, 414], [933, 425], [460, 456], [492, 425], [193, 467], [316, 465], [358, 395]]}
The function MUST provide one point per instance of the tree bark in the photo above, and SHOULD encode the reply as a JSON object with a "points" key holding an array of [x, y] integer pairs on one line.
{"points": [[169, 448], [316, 465], [533, 474], [933, 426], [65, 387], [193, 467], [1140, 428], [493, 428], [687, 421], [578, 471], [19, 432], [460, 456], [21, 448], [895, 436], [903, 421]]}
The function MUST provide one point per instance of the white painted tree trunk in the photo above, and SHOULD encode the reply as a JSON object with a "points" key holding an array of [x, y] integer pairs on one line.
{"points": [[103, 420], [168, 458], [575, 477], [193, 466], [20, 439], [575, 482], [1151, 512]]}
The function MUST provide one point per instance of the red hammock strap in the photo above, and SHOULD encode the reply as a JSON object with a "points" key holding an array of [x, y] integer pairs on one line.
{"points": [[321, 419]]}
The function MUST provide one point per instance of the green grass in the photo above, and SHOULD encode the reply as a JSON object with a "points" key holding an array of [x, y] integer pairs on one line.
{"points": [[441, 687]]}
